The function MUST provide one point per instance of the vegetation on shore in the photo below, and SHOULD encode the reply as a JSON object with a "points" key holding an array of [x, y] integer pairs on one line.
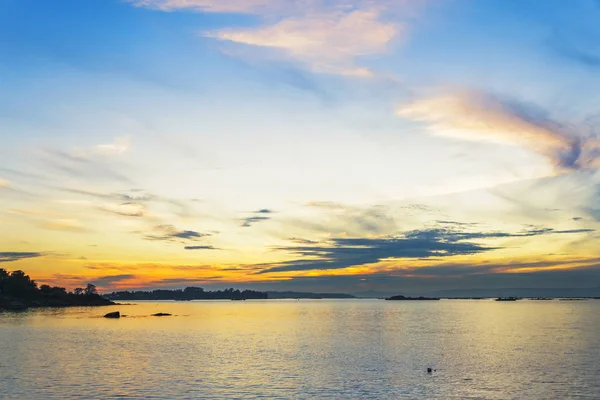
{"points": [[19, 291], [400, 298], [189, 293]]}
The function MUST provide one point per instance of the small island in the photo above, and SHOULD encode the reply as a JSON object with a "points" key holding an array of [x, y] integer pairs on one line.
{"points": [[19, 292], [411, 298]]}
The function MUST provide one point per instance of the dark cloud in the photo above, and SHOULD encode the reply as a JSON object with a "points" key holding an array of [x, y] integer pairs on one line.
{"points": [[111, 279], [170, 233], [257, 216], [302, 241], [188, 235], [264, 211], [248, 222], [133, 198], [455, 223], [200, 248], [569, 156], [129, 209], [341, 253], [461, 279], [10, 256]]}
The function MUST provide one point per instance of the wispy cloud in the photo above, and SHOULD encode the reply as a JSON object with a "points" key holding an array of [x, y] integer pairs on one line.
{"points": [[129, 209], [221, 6], [327, 43], [325, 36], [200, 248], [4, 183], [10, 256], [258, 216], [338, 219], [340, 253], [63, 224], [248, 222], [81, 165], [118, 147], [170, 233], [480, 116]]}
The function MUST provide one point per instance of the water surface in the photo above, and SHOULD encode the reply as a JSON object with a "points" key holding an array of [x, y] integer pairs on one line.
{"points": [[307, 349]]}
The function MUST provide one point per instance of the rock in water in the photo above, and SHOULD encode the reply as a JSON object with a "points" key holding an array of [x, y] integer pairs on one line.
{"points": [[160, 314], [115, 314]]}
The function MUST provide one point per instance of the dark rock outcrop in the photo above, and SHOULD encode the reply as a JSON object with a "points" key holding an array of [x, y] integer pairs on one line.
{"points": [[115, 314]]}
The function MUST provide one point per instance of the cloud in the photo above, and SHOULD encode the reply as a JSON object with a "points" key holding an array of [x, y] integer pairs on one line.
{"points": [[110, 280], [577, 45], [483, 117], [170, 233], [341, 253], [248, 222], [259, 216], [129, 209], [328, 42], [118, 147], [10, 256], [63, 224], [82, 165], [200, 248], [4, 183], [324, 36], [338, 219], [220, 6], [461, 279]]}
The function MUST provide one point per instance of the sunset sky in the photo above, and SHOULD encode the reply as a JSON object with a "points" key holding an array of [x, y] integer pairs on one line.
{"points": [[317, 145]]}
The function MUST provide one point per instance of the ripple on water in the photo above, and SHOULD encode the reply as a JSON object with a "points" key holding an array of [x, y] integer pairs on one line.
{"points": [[352, 349]]}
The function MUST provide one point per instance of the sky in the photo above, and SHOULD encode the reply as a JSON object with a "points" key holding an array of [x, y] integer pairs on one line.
{"points": [[318, 145]]}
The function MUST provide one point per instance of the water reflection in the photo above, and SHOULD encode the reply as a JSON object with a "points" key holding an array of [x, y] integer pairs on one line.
{"points": [[305, 349]]}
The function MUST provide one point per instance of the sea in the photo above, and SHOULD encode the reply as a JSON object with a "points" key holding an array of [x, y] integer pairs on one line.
{"points": [[305, 349]]}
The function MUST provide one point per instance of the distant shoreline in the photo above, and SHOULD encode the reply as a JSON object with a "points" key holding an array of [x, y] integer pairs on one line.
{"points": [[17, 304]]}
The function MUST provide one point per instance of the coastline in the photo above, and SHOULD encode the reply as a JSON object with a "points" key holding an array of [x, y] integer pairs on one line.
{"points": [[20, 304]]}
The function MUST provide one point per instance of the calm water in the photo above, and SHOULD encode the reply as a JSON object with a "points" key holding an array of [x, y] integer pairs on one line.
{"points": [[319, 349]]}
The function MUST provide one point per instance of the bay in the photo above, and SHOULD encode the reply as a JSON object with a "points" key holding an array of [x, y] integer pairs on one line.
{"points": [[307, 349]]}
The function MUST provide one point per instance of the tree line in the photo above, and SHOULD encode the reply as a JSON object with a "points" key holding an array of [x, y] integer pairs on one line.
{"points": [[18, 290], [189, 293]]}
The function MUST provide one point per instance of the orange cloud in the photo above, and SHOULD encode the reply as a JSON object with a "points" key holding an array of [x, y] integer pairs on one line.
{"points": [[327, 43], [326, 37], [221, 6], [478, 116]]}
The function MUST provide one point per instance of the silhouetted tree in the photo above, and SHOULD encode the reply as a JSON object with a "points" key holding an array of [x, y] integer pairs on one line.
{"points": [[90, 289], [3, 278], [20, 284], [18, 288], [46, 290]]}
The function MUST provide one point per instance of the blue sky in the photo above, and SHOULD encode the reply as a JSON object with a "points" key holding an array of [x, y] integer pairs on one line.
{"points": [[151, 143]]}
